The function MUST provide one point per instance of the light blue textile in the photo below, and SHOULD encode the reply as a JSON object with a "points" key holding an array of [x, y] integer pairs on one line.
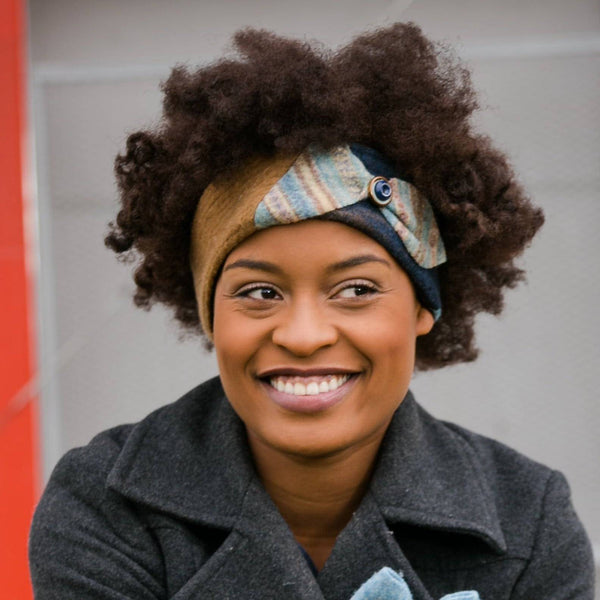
{"points": [[386, 584]]}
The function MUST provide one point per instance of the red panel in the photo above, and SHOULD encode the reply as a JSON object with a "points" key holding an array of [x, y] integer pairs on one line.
{"points": [[17, 489], [18, 473]]}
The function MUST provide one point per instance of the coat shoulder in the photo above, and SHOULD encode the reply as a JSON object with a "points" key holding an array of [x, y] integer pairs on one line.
{"points": [[506, 469], [96, 459], [539, 522], [85, 534]]}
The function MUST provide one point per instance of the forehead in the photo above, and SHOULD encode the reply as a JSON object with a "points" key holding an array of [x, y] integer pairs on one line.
{"points": [[314, 241]]}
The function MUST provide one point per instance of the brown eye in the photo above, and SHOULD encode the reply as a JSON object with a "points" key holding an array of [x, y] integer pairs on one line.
{"points": [[357, 290], [362, 290], [266, 293], [260, 293]]}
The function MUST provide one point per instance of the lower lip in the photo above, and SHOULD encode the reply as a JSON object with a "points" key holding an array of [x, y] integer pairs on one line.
{"points": [[308, 403]]}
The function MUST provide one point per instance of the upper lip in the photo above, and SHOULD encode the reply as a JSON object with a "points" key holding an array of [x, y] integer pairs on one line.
{"points": [[312, 372]]}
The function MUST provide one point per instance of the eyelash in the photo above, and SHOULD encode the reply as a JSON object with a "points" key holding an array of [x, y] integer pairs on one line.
{"points": [[247, 290], [370, 288]]}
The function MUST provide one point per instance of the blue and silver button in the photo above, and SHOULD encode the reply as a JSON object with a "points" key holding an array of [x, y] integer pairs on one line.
{"points": [[380, 191]]}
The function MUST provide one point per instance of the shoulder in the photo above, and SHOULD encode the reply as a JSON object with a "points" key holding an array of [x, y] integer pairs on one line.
{"points": [[519, 487], [85, 531], [90, 465], [518, 482], [535, 513]]}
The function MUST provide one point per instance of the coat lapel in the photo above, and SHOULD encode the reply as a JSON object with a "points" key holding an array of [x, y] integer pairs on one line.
{"points": [[188, 459], [364, 547], [191, 460], [428, 475], [260, 559]]}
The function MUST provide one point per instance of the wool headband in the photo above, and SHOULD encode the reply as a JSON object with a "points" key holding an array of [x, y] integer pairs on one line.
{"points": [[353, 185]]}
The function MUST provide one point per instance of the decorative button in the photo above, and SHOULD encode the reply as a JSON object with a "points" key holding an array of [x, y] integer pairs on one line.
{"points": [[380, 191]]}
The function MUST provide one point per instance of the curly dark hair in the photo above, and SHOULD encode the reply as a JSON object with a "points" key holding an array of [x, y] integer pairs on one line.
{"points": [[391, 89]]}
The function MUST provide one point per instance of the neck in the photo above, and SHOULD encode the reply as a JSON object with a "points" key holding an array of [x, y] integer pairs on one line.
{"points": [[315, 496]]}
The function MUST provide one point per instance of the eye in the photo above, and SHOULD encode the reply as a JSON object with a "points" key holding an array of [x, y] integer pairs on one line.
{"points": [[356, 290], [259, 292]]}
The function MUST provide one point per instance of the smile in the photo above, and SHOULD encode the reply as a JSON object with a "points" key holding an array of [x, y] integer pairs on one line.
{"points": [[308, 392], [308, 385]]}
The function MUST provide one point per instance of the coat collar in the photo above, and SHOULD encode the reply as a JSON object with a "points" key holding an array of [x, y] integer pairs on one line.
{"points": [[429, 475], [191, 459]]}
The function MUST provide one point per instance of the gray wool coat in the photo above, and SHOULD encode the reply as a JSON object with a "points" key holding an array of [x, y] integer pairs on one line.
{"points": [[172, 508]]}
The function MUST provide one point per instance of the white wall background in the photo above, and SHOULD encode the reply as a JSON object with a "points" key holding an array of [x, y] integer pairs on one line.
{"points": [[96, 68]]}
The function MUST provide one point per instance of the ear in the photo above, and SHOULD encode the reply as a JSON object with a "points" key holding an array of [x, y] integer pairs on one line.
{"points": [[425, 321]]}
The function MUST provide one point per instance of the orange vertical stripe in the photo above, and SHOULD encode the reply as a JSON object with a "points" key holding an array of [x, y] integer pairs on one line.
{"points": [[18, 477]]}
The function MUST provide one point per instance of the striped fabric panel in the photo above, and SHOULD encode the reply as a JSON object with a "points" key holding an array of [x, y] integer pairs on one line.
{"points": [[319, 182]]}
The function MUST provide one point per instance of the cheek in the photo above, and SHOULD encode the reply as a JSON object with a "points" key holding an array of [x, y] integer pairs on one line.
{"points": [[231, 333], [231, 348], [389, 344], [237, 340], [387, 329]]}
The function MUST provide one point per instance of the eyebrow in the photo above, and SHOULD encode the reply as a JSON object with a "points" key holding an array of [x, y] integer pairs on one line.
{"points": [[262, 265], [356, 261], [258, 265]]}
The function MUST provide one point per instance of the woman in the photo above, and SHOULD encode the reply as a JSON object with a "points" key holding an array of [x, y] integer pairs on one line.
{"points": [[327, 221]]}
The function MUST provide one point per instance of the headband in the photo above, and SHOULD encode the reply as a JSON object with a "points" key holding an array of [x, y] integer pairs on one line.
{"points": [[353, 185]]}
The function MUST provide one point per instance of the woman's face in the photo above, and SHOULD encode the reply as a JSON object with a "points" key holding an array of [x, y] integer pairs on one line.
{"points": [[314, 330]]}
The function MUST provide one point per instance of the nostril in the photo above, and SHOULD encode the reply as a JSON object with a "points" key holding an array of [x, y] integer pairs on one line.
{"points": [[304, 341]]}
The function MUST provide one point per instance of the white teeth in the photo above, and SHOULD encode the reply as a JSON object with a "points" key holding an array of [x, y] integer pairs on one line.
{"points": [[312, 389], [312, 386]]}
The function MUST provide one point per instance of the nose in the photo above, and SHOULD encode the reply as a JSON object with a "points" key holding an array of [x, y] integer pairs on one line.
{"points": [[304, 328]]}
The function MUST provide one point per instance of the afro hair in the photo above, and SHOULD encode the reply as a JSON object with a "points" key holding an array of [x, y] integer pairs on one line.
{"points": [[391, 89]]}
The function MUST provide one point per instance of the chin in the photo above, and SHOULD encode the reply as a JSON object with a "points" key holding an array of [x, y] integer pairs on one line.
{"points": [[318, 441]]}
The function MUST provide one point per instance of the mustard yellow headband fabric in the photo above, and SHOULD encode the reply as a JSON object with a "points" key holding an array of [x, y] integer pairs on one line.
{"points": [[225, 218]]}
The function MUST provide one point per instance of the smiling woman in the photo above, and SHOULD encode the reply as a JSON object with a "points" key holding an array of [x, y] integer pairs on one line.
{"points": [[328, 222]]}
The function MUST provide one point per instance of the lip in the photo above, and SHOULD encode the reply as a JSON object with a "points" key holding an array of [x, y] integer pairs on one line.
{"points": [[309, 404], [314, 372]]}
